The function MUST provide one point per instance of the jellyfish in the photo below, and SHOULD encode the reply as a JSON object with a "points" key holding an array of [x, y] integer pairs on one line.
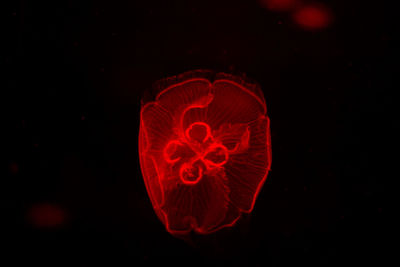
{"points": [[204, 150]]}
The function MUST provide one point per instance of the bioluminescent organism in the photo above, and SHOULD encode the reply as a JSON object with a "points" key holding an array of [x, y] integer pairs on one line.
{"points": [[205, 151]]}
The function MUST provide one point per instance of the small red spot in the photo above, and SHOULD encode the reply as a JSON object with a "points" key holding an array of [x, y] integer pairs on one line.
{"points": [[83, 118], [313, 17], [279, 5], [46, 215]]}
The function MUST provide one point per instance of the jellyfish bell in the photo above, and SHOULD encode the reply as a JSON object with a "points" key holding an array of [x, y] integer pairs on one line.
{"points": [[204, 149]]}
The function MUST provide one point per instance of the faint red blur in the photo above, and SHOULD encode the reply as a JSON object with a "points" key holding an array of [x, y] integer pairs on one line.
{"points": [[279, 5], [313, 17], [13, 168], [46, 215]]}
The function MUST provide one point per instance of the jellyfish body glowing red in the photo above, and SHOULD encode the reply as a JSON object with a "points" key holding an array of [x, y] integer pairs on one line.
{"points": [[205, 152]]}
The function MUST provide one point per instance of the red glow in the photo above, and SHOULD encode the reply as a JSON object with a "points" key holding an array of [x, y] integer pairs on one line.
{"points": [[205, 152], [46, 215], [313, 17], [279, 5]]}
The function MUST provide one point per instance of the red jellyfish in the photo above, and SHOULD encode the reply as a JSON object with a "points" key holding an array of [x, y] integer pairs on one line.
{"points": [[205, 150]]}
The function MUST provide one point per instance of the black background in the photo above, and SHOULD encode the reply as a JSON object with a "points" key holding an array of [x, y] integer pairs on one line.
{"points": [[75, 72]]}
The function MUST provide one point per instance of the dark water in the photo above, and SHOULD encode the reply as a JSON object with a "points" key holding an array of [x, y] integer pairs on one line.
{"points": [[73, 77]]}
